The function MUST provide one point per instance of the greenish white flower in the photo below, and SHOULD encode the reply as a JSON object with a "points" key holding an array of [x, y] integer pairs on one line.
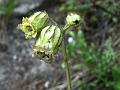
{"points": [[47, 43], [34, 24]]}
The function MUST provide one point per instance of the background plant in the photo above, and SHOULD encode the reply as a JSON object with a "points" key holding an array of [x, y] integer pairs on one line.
{"points": [[101, 64], [96, 50], [7, 7]]}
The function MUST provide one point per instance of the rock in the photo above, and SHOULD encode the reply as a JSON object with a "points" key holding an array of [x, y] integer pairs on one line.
{"points": [[24, 6], [19, 74]]}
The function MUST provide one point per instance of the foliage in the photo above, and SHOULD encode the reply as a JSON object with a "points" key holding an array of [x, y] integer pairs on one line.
{"points": [[100, 63], [116, 77], [97, 9], [6, 8], [99, 16]]}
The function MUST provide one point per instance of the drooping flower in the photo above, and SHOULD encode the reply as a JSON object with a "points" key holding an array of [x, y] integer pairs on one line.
{"points": [[34, 24], [47, 43]]}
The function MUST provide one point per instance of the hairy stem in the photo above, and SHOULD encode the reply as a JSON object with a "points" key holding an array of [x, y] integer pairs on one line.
{"points": [[66, 63]]}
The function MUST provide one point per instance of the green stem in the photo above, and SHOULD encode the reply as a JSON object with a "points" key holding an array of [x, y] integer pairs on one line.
{"points": [[66, 63], [66, 27]]}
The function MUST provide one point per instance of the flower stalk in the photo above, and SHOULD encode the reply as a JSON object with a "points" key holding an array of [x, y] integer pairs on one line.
{"points": [[67, 66], [71, 20]]}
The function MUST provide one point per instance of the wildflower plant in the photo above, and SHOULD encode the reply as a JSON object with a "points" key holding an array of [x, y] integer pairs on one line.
{"points": [[48, 37]]}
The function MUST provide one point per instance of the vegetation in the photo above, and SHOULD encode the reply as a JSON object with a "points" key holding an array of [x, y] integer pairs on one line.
{"points": [[89, 41], [6, 9], [100, 61]]}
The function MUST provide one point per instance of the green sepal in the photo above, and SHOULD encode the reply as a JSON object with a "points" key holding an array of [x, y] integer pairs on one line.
{"points": [[47, 42], [73, 19], [39, 19]]}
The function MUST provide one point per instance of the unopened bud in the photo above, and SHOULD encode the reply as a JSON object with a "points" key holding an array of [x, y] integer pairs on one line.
{"points": [[73, 19]]}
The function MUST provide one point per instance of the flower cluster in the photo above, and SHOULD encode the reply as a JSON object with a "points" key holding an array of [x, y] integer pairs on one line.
{"points": [[48, 36]]}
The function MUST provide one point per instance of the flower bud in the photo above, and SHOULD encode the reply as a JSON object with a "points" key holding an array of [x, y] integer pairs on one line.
{"points": [[32, 25], [73, 19], [48, 43]]}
